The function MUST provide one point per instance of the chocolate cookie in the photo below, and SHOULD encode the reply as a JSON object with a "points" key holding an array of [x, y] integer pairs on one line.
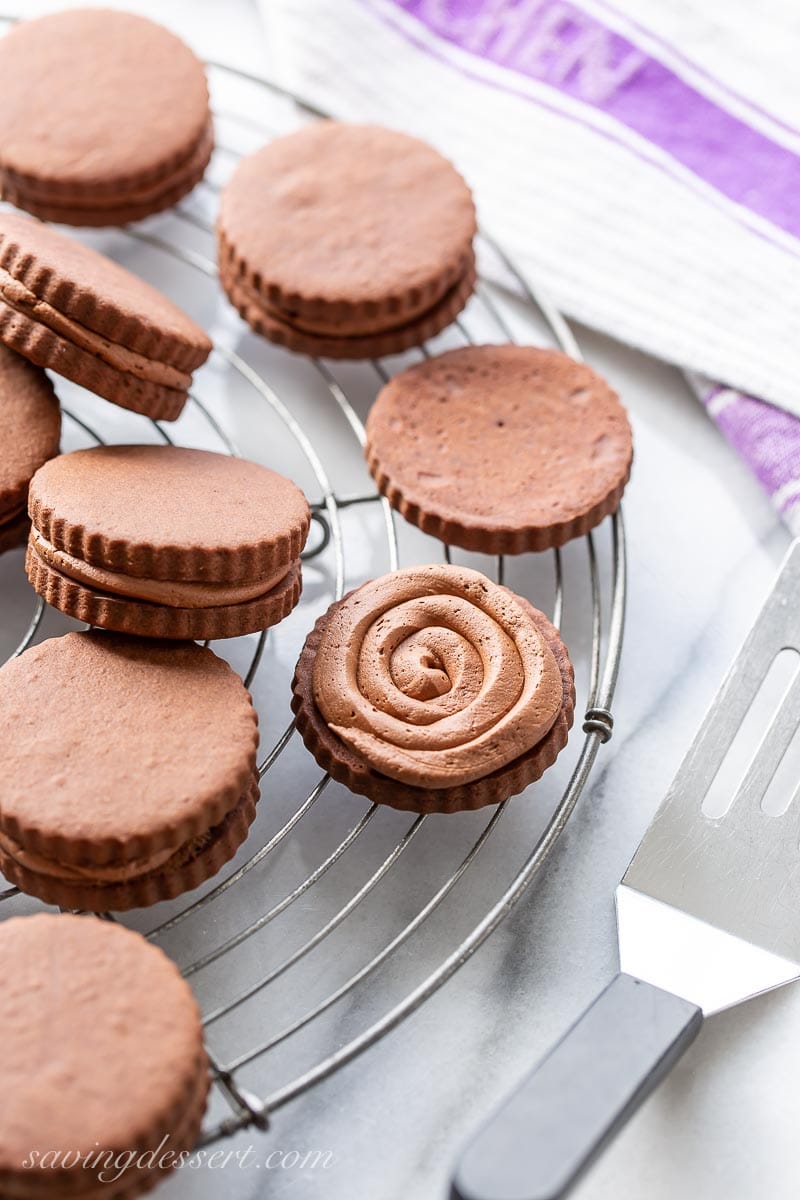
{"points": [[500, 449], [348, 241], [129, 769], [30, 427], [66, 307], [433, 689], [115, 126], [164, 541], [103, 1072]]}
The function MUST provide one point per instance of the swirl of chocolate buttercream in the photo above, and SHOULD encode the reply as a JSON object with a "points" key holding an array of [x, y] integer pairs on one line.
{"points": [[436, 676]]}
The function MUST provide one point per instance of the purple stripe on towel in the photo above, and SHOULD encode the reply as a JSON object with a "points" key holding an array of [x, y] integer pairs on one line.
{"points": [[554, 42], [767, 438], [677, 55]]}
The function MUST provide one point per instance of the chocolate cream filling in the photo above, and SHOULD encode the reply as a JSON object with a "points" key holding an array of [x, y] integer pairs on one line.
{"points": [[435, 676], [19, 298], [169, 593], [77, 874], [134, 868]]}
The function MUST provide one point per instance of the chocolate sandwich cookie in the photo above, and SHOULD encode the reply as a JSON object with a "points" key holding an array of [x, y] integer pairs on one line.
{"points": [[500, 449], [433, 689], [164, 541], [30, 427], [348, 241], [66, 307], [103, 1071], [115, 126], [130, 769]]}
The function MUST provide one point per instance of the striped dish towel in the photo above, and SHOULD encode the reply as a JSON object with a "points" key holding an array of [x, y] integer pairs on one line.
{"points": [[641, 159]]}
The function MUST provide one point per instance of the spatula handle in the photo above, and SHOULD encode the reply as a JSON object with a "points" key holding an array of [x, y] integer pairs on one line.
{"points": [[541, 1140]]}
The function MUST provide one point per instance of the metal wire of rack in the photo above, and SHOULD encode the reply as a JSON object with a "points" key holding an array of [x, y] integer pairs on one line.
{"points": [[243, 1102]]}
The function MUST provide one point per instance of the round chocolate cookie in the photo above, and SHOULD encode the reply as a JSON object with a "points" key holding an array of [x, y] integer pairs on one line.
{"points": [[129, 769], [348, 241], [30, 427], [164, 541], [103, 1072], [433, 689], [500, 449], [116, 126], [66, 307]]}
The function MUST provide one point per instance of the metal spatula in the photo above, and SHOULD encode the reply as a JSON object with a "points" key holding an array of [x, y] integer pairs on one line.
{"points": [[708, 915]]}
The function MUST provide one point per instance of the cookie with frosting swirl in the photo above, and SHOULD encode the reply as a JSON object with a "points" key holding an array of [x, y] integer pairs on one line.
{"points": [[433, 689]]}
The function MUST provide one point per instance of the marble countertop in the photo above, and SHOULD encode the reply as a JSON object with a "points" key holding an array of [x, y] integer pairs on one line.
{"points": [[704, 545]]}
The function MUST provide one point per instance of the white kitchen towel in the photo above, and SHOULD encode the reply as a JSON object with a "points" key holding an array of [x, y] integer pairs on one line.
{"points": [[641, 159]]}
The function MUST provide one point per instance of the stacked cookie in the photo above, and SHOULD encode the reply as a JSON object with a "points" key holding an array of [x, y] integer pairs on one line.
{"points": [[145, 783], [347, 241], [165, 541], [68, 308], [116, 125]]}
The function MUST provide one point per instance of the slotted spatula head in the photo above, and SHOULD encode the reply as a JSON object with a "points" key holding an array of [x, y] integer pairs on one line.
{"points": [[709, 908]]}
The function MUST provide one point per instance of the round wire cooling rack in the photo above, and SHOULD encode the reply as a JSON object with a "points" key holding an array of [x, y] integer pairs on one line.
{"points": [[336, 920]]}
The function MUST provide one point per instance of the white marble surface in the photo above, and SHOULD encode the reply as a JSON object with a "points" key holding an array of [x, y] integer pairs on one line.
{"points": [[703, 547]]}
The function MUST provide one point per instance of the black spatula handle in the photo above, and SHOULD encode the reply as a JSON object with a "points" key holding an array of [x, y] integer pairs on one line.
{"points": [[541, 1140]]}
